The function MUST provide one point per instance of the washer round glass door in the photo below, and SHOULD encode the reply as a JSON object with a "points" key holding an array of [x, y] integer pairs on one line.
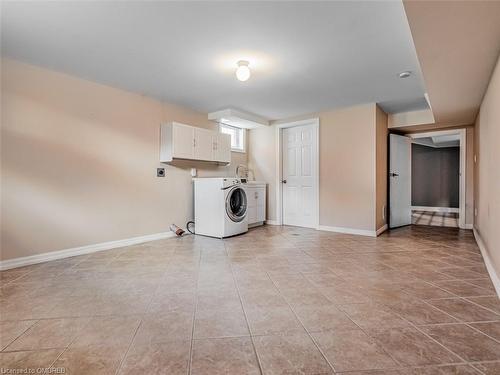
{"points": [[236, 204]]}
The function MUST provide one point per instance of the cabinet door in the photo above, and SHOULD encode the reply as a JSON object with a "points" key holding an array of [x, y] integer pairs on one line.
{"points": [[260, 197], [252, 215], [182, 141], [251, 204], [261, 214], [204, 146], [251, 194], [223, 148]]}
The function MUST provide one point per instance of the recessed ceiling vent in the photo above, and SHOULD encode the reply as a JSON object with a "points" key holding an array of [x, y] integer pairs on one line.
{"points": [[238, 119]]}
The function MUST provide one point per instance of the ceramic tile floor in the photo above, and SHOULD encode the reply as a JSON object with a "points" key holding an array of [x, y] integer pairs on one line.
{"points": [[439, 219], [278, 300]]}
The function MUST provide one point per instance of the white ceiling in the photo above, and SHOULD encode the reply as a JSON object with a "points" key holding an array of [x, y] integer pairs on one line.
{"points": [[304, 56]]}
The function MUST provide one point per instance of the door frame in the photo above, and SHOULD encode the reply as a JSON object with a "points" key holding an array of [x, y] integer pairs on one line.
{"points": [[279, 166], [462, 169]]}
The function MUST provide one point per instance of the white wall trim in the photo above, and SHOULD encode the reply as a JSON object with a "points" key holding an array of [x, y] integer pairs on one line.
{"points": [[382, 229], [495, 279], [82, 250], [279, 175], [435, 209], [360, 232], [398, 120], [468, 226], [272, 222]]}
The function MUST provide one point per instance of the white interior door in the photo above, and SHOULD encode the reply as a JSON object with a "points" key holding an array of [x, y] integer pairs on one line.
{"points": [[299, 176], [399, 180]]}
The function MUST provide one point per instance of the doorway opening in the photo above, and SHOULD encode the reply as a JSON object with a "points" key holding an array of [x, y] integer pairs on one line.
{"points": [[298, 173], [427, 179]]}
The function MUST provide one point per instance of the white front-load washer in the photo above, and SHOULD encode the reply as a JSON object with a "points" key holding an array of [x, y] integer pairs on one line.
{"points": [[220, 207]]}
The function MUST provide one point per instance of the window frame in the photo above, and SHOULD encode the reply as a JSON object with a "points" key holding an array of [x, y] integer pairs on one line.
{"points": [[243, 135]]}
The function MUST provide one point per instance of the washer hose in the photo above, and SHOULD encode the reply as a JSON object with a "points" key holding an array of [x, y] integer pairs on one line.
{"points": [[187, 226]]}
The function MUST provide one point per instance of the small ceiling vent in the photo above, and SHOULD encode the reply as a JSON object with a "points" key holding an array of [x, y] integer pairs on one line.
{"points": [[238, 119]]}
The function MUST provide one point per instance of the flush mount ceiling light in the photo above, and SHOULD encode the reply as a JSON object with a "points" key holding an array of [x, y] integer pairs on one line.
{"points": [[405, 74], [243, 71]]}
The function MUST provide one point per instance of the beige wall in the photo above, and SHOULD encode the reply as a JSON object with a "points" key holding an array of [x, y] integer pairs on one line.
{"points": [[347, 153], [262, 160], [381, 167], [347, 168], [79, 163], [487, 171]]}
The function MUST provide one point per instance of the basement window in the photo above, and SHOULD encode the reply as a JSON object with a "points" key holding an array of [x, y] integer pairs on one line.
{"points": [[237, 137]]}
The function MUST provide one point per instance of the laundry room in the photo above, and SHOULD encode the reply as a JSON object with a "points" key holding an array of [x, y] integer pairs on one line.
{"points": [[250, 187]]}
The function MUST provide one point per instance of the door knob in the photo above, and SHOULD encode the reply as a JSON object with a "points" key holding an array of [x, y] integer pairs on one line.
{"points": [[284, 181], [393, 174]]}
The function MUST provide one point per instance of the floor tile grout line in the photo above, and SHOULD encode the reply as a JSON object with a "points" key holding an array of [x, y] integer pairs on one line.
{"points": [[70, 343], [365, 331], [123, 359], [460, 321], [477, 369], [456, 323], [41, 264], [22, 333], [481, 306], [461, 280], [259, 362], [191, 346], [452, 323], [411, 324], [300, 322], [483, 333], [436, 341]]}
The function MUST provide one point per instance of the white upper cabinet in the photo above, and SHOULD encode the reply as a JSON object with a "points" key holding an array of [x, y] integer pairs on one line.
{"points": [[222, 144], [203, 144], [183, 145], [180, 141]]}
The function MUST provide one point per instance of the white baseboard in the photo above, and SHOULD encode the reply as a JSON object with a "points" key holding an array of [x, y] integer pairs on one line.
{"points": [[382, 229], [360, 232], [82, 250], [272, 222], [435, 209], [487, 261]]}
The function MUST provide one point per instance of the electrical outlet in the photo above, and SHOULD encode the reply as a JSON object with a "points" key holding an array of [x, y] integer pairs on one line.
{"points": [[160, 172]]}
